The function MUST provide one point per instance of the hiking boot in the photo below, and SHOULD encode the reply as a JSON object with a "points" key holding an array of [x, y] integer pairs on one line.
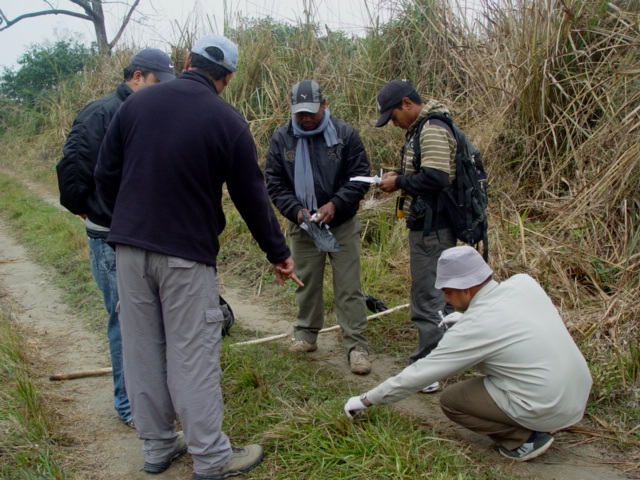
{"points": [[300, 346], [538, 443], [241, 461], [434, 387], [179, 450], [359, 361]]}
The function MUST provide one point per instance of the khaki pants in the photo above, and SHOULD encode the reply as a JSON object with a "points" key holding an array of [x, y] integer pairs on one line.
{"points": [[347, 292], [469, 404]]}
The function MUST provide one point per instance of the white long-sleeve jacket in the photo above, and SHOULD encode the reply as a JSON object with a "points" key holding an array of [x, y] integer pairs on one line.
{"points": [[513, 334]]}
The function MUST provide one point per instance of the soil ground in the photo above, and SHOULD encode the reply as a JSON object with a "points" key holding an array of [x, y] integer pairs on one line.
{"points": [[103, 448]]}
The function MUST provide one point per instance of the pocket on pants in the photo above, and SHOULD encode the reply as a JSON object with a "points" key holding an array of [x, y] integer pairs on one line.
{"points": [[177, 262], [213, 319], [213, 315]]}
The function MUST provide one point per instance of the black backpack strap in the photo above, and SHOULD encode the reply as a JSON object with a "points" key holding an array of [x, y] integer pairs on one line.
{"points": [[441, 120]]}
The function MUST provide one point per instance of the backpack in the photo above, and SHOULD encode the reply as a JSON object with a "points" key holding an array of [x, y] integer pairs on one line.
{"points": [[229, 317], [464, 200]]}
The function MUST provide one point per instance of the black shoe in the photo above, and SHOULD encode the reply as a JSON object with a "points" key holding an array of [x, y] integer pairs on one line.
{"points": [[179, 450], [538, 443]]}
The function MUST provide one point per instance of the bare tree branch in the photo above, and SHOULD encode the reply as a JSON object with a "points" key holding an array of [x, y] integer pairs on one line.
{"points": [[93, 12], [10, 22], [125, 22]]}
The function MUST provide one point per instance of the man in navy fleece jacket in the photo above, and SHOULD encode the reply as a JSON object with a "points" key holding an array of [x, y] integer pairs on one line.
{"points": [[161, 168]]}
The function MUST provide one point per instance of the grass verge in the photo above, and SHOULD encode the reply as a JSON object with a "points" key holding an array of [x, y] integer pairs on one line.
{"points": [[28, 448]]}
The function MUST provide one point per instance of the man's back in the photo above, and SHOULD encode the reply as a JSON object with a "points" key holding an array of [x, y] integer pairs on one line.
{"points": [[80, 155], [173, 145]]}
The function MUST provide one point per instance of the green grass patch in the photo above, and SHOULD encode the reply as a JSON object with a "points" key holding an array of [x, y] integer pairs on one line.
{"points": [[28, 449], [294, 410], [55, 239]]}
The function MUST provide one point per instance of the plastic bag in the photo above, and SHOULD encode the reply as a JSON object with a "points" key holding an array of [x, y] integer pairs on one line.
{"points": [[321, 235]]}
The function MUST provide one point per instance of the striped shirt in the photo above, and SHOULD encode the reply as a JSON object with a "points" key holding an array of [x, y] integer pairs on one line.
{"points": [[437, 146]]}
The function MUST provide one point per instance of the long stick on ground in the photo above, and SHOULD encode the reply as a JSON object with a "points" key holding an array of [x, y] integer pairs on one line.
{"points": [[324, 330], [107, 371], [82, 374]]}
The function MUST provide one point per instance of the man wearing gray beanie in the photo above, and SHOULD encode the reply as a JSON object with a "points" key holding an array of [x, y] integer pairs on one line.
{"points": [[535, 380]]}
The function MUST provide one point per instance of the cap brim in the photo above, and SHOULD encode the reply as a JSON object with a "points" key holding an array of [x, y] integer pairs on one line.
{"points": [[164, 76], [384, 118], [305, 107]]}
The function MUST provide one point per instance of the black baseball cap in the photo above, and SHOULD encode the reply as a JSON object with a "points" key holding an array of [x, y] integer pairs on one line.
{"points": [[158, 62], [390, 96], [306, 96]]}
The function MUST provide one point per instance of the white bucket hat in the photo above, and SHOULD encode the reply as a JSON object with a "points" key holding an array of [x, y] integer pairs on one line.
{"points": [[461, 268]]}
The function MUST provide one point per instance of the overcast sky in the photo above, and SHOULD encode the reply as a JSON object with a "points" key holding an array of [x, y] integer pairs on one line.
{"points": [[157, 21]]}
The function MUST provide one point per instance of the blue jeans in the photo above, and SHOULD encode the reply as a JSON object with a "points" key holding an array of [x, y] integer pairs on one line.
{"points": [[103, 267]]}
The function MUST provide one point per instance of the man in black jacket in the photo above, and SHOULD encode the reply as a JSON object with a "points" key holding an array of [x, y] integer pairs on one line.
{"points": [[78, 194], [308, 170], [166, 155]]}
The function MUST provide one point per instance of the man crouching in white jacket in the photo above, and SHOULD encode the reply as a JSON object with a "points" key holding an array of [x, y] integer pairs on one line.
{"points": [[535, 379]]}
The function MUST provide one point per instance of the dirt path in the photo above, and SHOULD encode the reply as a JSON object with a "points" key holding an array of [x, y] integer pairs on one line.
{"points": [[106, 449]]}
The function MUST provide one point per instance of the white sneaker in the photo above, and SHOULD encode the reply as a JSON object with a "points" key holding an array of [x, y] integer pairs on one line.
{"points": [[359, 361], [300, 346], [434, 387]]}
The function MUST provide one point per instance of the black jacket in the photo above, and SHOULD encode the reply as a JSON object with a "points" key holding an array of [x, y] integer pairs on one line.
{"points": [[165, 157], [332, 169], [80, 155]]}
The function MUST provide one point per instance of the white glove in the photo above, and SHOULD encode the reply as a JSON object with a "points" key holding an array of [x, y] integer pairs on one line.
{"points": [[353, 407], [450, 320]]}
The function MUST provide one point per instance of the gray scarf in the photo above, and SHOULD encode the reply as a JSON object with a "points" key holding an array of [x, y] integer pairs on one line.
{"points": [[303, 173]]}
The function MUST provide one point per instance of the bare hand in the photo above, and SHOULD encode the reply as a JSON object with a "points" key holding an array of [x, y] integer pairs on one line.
{"points": [[284, 270], [325, 213], [388, 182]]}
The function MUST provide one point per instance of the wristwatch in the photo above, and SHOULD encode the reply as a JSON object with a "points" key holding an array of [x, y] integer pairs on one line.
{"points": [[363, 399]]}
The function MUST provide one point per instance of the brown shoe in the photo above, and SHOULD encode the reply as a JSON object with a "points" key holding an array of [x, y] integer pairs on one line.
{"points": [[359, 361], [300, 346]]}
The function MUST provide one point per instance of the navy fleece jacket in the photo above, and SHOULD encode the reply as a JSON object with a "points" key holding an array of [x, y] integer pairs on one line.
{"points": [[161, 168]]}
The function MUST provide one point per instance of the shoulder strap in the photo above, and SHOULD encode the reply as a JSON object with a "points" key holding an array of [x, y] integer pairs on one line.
{"points": [[442, 120]]}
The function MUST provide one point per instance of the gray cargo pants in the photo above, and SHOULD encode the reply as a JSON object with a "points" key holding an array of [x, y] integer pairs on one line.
{"points": [[171, 334], [426, 299]]}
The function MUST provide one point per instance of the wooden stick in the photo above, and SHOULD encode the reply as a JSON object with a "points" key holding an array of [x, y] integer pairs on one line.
{"points": [[108, 371], [324, 330], [85, 373]]}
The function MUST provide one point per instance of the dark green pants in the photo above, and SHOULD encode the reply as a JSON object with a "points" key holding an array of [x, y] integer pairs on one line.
{"points": [[347, 290]]}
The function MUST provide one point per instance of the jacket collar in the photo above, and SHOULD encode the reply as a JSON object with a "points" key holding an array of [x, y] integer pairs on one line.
{"points": [[123, 91], [199, 77], [483, 292]]}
